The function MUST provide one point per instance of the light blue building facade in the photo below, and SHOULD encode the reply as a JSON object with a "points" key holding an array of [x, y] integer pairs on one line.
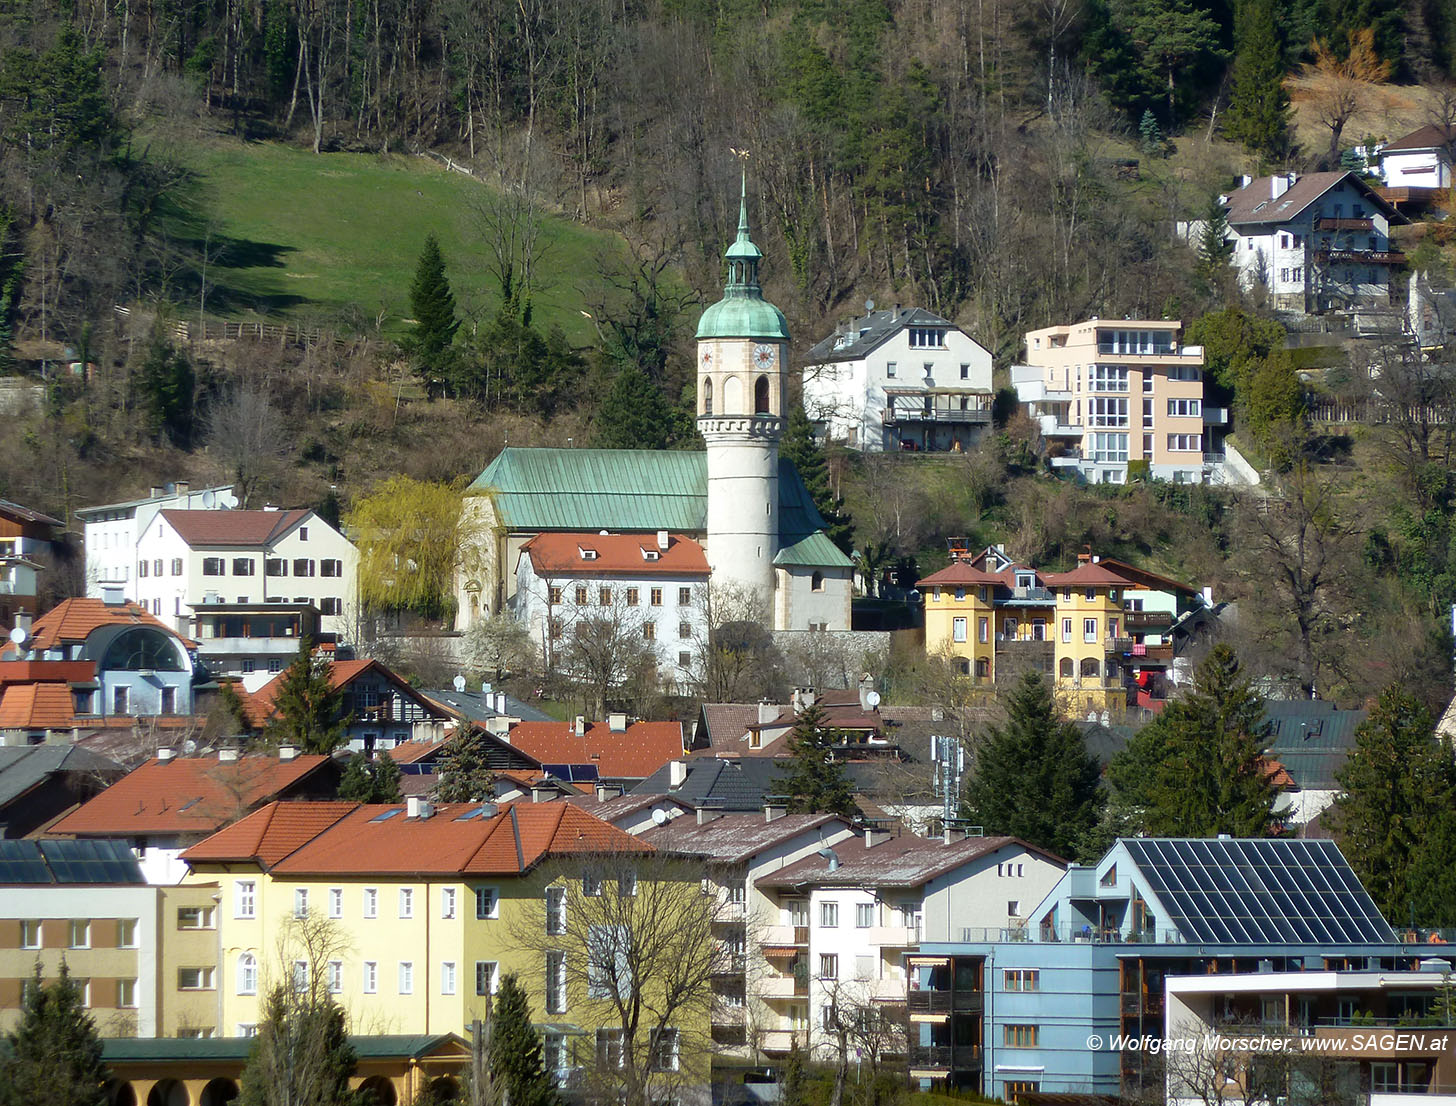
{"points": [[1039, 1008]]}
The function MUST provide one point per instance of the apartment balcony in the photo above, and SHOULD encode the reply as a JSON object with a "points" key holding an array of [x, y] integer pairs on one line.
{"points": [[730, 964], [1149, 354], [1031, 386], [1053, 427], [779, 938], [1330, 223], [1215, 416], [920, 405], [247, 646], [932, 1004], [1134, 1002], [778, 987], [784, 1040], [1362, 257], [1147, 622], [944, 1057], [722, 1014], [896, 937]]}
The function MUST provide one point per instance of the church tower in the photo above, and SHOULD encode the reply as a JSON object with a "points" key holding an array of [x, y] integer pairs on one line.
{"points": [[742, 361]]}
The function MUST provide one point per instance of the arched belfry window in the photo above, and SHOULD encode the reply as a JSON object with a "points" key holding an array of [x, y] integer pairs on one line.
{"points": [[760, 396], [707, 395]]}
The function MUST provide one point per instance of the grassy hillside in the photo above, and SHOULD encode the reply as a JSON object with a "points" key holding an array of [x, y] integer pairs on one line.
{"points": [[308, 236]]}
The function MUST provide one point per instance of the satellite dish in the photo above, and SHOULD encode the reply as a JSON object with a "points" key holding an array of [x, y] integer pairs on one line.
{"points": [[873, 699], [869, 306], [19, 636], [659, 816], [459, 683], [209, 499]]}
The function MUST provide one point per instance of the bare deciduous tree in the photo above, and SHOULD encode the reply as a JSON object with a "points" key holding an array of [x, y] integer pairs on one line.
{"points": [[246, 433]]}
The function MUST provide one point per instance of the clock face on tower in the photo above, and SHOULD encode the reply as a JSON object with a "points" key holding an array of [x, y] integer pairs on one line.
{"points": [[765, 356]]}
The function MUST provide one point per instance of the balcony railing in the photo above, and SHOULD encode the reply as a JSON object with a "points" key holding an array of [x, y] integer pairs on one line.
{"points": [[1145, 621], [889, 416], [1330, 223], [945, 1057], [1070, 934], [784, 936], [1363, 257], [944, 1002]]}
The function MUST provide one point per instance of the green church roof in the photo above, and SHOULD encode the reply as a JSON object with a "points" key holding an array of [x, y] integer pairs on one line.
{"points": [[743, 312], [637, 490]]}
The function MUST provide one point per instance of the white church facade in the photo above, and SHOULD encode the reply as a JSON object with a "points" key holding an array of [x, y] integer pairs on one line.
{"points": [[757, 523]]}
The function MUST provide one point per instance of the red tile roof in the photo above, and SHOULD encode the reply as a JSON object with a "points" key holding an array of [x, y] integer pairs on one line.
{"points": [[408, 752], [449, 842], [557, 554], [212, 528], [960, 573], [187, 795], [36, 706], [72, 621], [635, 753], [1088, 575]]}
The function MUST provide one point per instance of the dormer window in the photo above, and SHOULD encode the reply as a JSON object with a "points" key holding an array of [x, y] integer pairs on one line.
{"points": [[587, 553], [651, 554], [1026, 580]]}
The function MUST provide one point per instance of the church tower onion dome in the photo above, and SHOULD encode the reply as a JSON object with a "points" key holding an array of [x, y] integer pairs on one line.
{"points": [[743, 312]]}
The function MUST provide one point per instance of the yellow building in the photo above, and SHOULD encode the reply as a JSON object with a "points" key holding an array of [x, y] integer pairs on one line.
{"points": [[960, 617], [411, 913], [1091, 620]]}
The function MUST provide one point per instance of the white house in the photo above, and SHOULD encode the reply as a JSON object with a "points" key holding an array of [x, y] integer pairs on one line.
{"points": [[652, 586], [851, 911], [186, 560], [1421, 159], [1317, 242], [899, 379], [112, 529]]}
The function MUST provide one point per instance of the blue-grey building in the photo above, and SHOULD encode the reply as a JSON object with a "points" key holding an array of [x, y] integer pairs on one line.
{"points": [[1038, 1007]]}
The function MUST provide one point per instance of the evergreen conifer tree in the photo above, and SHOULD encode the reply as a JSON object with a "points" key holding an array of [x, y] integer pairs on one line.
{"points": [[1199, 769], [1033, 777], [167, 385], [816, 783], [1215, 249], [366, 781], [1258, 113], [799, 447], [1398, 786], [794, 1089], [634, 413], [386, 779], [301, 1055], [433, 305], [465, 775], [1151, 135], [310, 710], [54, 1054], [517, 1067]]}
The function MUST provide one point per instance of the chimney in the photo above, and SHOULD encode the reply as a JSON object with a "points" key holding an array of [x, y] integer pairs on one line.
{"points": [[876, 837], [499, 726], [112, 596], [579, 726], [418, 807], [767, 712], [1208, 594], [662, 540], [270, 507], [227, 754], [184, 488], [866, 685], [166, 753], [540, 793], [705, 815], [1245, 181], [1281, 183], [677, 773], [287, 752], [156, 491], [488, 809], [617, 722], [608, 791], [773, 811]]}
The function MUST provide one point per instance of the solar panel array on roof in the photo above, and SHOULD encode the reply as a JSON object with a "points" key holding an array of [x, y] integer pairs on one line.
{"points": [[60, 861], [571, 773], [1259, 891]]}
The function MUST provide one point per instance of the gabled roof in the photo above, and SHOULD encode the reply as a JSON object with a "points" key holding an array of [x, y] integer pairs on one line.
{"points": [[901, 862], [723, 783], [1430, 137], [735, 838], [637, 490], [381, 839], [24, 767], [634, 753], [72, 621], [1255, 203], [260, 705], [1311, 738], [270, 834], [474, 706], [19, 513], [187, 795], [869, 332], [1086, 575], [232, 528], [960, 573], [1143, 578], [588, 554], [724, 725]]}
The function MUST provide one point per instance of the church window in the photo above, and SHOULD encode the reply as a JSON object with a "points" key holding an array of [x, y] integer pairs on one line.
{"points": [[760, 396], [707, 396], [816, 582]]}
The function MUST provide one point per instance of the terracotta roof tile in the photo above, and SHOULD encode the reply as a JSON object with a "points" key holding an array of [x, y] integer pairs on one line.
{"points": [[210, 528], [960, 573], [558, 554], [36, 706], [383, 839], [636, 753], [72, 621], [1087, 576], [187, 795]]}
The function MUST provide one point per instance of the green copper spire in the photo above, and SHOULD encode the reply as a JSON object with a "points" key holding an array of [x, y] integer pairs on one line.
{"points": [[743, 312]]}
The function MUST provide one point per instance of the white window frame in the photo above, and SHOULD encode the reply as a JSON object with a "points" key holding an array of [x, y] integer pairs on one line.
{"points": [[829, 915], [300, 902], [555, 911], [447, 903], [406, 977], [247, 974], [406, 902], [371, 902], [371, 977], [492, 910], [487, 976], [336, 902], [245, 898], [334, 977], [447, 977]]}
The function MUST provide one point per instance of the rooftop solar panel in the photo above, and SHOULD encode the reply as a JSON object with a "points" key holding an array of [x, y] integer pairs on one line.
{"points": [[1222, 891], [61, 861], [20, 862]]}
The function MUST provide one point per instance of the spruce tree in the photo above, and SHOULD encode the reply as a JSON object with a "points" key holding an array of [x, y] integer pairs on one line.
{"points": [[301, 1055], [386, 779], [366, 781], [816, 782], [465, 775], [167, 384], [808, 458], [1397, 789], [1201, 762], [634, 414], [309, 709], [1215, 248], [433, 306], [1033, 777], [517, 1066], [1258, 113], [54, 1054]]}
